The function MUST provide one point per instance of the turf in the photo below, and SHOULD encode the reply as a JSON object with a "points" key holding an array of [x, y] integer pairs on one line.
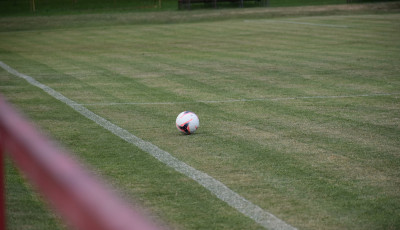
{"points": [[298, 114]]}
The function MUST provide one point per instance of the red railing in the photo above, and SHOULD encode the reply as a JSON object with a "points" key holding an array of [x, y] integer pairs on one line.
{"points": [[82, 200]]}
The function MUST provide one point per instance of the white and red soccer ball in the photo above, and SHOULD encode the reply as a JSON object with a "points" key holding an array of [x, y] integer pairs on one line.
{"points": [[187, 122]]}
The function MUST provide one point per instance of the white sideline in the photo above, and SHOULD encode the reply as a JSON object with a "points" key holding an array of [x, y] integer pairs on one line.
{"points": [[242, 100], [300, 23], [262, 217]]}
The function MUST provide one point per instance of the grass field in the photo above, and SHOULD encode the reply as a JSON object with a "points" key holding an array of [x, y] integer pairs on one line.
{"points": [[298, 114]]}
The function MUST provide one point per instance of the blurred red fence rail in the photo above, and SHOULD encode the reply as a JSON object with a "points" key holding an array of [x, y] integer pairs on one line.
{"points": [[83, 201]]}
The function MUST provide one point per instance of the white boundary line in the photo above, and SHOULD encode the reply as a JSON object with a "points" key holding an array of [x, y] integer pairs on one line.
{"points": [[262, 217], [300, 23], [242, 100]]}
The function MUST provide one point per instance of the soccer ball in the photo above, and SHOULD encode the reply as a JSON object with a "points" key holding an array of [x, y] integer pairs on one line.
{"points": [[187, 122]]}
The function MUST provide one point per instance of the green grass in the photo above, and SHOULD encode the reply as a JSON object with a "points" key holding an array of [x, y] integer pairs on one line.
{"points": [[315, 162]]}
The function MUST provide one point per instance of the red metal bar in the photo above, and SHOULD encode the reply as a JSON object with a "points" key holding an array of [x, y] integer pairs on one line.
{"points": [[83, 200], [2, 187]]}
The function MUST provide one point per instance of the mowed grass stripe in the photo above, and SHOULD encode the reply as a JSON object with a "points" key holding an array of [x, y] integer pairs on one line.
{"points": [[285, 149], [240, 100], [206, 86], [224, 54], [100, 81], [301, 167], [262, 217], [174, 69], [136, 172], [300, 58], [318, 163], [297, 159]]}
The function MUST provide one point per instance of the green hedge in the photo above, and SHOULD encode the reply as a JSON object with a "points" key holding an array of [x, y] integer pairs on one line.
{"points": [[15, 7]]}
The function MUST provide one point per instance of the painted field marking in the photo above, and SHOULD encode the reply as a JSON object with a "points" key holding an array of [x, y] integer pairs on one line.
{"points": [[260, 216], [301, 23], [242, 100]]}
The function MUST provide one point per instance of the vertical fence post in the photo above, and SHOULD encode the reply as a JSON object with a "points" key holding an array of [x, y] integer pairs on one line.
{"points": [[33, 6]]}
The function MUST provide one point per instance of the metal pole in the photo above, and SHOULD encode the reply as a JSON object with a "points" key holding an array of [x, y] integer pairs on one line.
{"points": [[2, 184], [33, 6]]}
